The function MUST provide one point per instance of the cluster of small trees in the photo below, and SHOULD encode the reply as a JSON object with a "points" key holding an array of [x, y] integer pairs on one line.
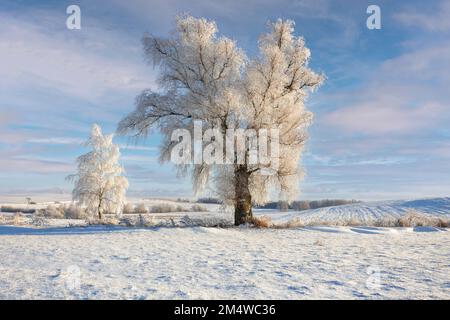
{"points": [[305, 204], [314, 204]]}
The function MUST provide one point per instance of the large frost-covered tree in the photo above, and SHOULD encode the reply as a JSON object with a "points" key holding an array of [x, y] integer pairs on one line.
{"points": [[99, 184], [208, 78]]}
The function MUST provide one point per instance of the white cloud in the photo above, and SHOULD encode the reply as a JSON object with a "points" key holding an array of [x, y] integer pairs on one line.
{"points": [[435, 20], [77, 64], [136, 147], [406, 94], [56, 140], [381, 117], [32, 165]]}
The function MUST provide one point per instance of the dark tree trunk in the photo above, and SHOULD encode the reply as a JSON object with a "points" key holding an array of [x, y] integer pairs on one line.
{"points": [[99, 209], [243, 200]]}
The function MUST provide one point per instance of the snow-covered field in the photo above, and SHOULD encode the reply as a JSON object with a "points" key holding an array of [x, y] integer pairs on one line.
{"points": [[365, 213], [324, 262], [214, 263]]}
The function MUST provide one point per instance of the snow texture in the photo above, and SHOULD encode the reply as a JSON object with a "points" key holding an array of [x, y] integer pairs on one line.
{"points": [[213, 263], [315, 262], [364, 212]]}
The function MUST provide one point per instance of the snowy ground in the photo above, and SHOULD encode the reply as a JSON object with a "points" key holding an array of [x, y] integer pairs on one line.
{"points": [[51, 261], [213, 263]]}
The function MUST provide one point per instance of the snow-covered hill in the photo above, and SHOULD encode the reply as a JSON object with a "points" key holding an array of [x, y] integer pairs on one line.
{"points": [[364, 212]]}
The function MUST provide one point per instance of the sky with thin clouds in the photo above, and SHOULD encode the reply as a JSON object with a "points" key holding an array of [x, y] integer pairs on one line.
{"points": [[381, 119]]}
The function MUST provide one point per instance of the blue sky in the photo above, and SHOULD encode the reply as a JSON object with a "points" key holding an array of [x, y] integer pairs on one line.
{"points": [[381, 128]]}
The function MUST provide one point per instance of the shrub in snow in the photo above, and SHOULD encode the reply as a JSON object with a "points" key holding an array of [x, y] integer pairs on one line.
{"points": [[128, 208], [75, 212], [187, 221], [145, 221], [211, 222], [141, 208], [198, 208], [293, 223], [166, 208], [99, 184], [413, 218], [385, 222], [5, 220], [142, 220], [51, 212], [38, 221], [443, 223], [160, 208], [127, 221], [18, 219], [261, 222], [353, 222], [107, 220]]}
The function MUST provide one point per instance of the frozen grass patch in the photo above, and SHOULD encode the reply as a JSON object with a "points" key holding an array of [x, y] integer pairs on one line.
{"points": [[17, 219], [261, 222], [74, 212], [168, 208], [62, 212]]}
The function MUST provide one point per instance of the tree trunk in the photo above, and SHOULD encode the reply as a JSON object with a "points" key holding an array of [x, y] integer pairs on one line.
{"points": [[243, 200], [99, 209]]}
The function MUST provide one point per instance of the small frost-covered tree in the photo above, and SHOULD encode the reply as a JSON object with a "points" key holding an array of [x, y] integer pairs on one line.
{"points": [[208, 78], [99, 184]]}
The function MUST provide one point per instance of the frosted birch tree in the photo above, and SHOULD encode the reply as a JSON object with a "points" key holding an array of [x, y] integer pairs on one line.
{"points": [[99, 183], [208, 78]]}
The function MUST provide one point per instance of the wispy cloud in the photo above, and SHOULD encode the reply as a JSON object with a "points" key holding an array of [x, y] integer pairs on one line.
{"points": [[406, 94], [431, 18], [137, 147], [57, 140], [384, 116], [51, 56], [33, 165]]}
